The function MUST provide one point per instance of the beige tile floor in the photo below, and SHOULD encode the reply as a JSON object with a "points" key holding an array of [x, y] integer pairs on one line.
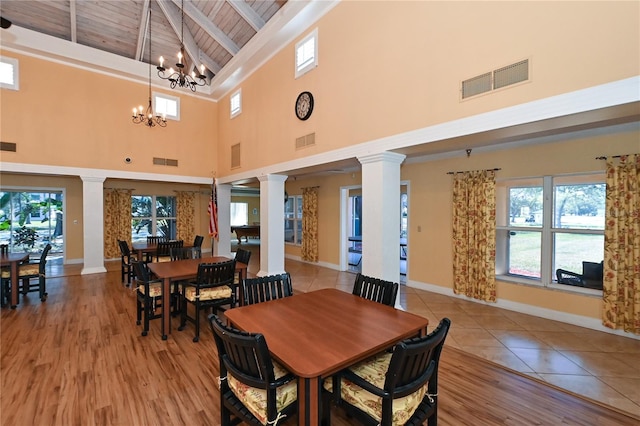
{"points": [[597, 365]]}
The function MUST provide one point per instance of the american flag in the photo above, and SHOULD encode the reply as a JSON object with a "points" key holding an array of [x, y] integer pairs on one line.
{"points": [[212, 208]]}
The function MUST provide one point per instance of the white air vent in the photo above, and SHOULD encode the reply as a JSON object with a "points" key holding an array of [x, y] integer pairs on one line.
{"points": [[496, 79], [306, 140], [8, 146], [235, 156], [165, 162]]}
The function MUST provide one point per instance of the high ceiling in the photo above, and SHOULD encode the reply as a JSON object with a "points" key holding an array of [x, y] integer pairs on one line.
{"points": [[213, 32]]}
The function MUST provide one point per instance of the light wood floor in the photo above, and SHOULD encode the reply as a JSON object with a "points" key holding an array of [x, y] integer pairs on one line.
{"points": [[79, 359]]}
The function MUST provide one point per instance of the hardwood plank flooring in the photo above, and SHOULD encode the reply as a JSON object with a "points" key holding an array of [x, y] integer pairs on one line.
{"points": [[79, 359]]}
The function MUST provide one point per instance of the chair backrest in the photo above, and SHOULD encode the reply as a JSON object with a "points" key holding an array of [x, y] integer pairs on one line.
{"points": [[164, 247], [216, 274], [125, 251], [415, 362], [244, 355], [43, 259], [262, 289], [152, 239], [4, 248], [197, 241], [181, 253], [141, 271], [243, 256], [375, 289]]}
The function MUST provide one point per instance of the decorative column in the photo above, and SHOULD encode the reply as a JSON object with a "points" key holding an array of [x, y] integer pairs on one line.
{"points": [[271, 224], [381, 215], [93, 224], [222, 247]]}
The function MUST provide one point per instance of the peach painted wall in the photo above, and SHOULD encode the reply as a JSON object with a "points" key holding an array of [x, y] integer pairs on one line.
{"points": [[68, 116], [391, 67]]}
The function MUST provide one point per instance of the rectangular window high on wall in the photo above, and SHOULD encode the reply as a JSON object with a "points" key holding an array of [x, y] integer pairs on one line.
{"points": [[9, 75], [235, 103], [153, 215], [166, 105], [307, 54], [550, 225]]}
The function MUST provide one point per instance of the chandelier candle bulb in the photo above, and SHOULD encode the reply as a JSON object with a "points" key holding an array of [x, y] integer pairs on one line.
{"points": [[161, 62]]}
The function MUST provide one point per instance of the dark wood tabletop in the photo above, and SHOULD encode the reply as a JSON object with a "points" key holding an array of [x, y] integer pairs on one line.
{"points": [[13, 260], [318, 333], [182, 270]]}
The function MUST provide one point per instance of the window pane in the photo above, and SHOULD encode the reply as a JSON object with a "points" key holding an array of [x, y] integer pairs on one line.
{"points": [[6, 73], [288, 231], [239, 214], [299, 206], [573, 249], [288, 208], [141, 206], [299, 234], [525, 206], [524, 253], [579, 206], [166, 228], [166, 206]]}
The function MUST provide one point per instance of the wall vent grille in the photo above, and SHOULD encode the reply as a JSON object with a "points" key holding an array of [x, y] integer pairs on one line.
{"points": [[235, 156], [306, 140], [165, 162], [496, 79], [8, 146]]}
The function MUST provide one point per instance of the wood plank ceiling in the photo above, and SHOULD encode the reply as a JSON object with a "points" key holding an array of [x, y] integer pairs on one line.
{"points": [[214, 31]]}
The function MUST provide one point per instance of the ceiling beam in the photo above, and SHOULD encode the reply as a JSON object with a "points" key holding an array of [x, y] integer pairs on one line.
{"points": [[247, 14], [72, 21], [209, 27], [142, 30], [195, 54]]}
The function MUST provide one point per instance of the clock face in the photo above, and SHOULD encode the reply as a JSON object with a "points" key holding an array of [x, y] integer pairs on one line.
{"points": [[304, 105]]}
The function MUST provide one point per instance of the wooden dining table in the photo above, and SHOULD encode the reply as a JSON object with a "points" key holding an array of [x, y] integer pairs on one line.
{"points": [[318, 333], [13, 260], [178, 270]]}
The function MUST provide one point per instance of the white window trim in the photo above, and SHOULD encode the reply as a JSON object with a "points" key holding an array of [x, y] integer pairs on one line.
{"points": [[16, 73], [175, 99], [235, 112], [299, 72], [546, 231]]}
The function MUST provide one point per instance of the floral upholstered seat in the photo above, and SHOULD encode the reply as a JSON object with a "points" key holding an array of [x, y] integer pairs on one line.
{"points": [[210, 293], [255, 399]]}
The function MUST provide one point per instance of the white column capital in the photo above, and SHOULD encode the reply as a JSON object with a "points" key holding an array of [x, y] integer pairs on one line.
{"points": [[272, 178], [386, 156]]}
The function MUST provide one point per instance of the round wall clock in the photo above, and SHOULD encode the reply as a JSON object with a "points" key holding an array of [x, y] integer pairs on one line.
{"points": [[304, 105]]}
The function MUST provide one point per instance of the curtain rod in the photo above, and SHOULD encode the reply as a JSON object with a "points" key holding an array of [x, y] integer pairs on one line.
{"points": [[603, 157], [486, 170], [122, 189]]}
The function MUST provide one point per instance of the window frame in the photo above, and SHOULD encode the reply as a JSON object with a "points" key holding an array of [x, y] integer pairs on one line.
{"points": [[234, 112], [308, 64], [15, 68], [157, 95], [548, 229], [296, 220], [154, 215]]}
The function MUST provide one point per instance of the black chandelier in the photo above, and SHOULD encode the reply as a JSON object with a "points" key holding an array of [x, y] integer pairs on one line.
{"points": [[147, 118], [180, 78]]}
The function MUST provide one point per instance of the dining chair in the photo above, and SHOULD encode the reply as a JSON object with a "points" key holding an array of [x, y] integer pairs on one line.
{"points": [[242, 256], [125, 261], [182, 253], [212, 289], [197, 241], [4, 249], [4, 283], [163, 253], [148, 295], [254, 388], [153, 239], [398, 387], [270, 287], [375, 289], [33, 277]]}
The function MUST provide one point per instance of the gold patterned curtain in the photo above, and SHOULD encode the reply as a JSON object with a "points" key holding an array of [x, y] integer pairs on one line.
{"points": [[310, 224], [117, 220], [186, 226], [474, 234], [621, 286]]}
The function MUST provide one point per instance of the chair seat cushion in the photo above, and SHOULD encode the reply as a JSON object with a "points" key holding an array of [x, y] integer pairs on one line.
{"points": [[27, 270], [164, 259], [155, 289], [373, 370], [222, 292], [255, 399]]}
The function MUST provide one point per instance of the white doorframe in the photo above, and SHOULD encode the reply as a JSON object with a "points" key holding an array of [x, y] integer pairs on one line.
{"points": [[344, 238]]}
